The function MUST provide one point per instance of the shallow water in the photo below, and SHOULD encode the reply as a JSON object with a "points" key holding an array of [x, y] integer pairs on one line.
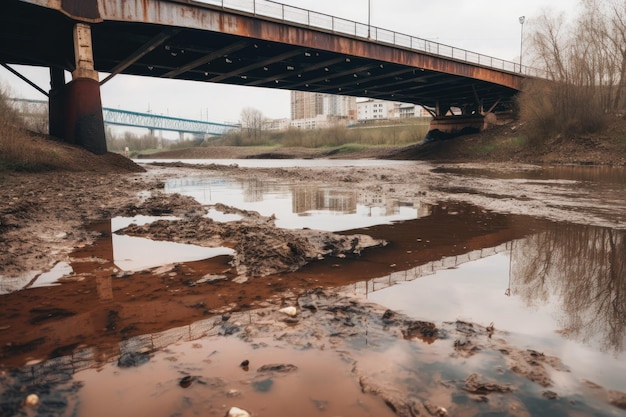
{"points": [[555, 287], [300, 206]]}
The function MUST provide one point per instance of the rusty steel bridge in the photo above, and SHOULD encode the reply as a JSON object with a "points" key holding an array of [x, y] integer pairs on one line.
{"points": [[244, 42]]}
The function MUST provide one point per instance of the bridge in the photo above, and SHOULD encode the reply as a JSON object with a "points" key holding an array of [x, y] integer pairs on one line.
{"points": [[151, 121], [243, 42], [164, 123]]}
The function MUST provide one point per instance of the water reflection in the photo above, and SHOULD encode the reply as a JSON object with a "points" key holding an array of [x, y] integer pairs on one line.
{"points": [[568, 278], [301, 206], [584, 268], [135, 253]]}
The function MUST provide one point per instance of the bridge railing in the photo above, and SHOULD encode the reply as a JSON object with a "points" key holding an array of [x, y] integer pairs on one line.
{"points": [[304, 17]]}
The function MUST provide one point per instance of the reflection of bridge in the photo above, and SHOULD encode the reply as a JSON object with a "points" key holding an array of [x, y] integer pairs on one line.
{"points": [[243, 42], [88, 357], [152, 121], [376, 284]]}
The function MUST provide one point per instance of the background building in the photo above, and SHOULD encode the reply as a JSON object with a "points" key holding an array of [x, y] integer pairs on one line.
{"points": [[317, 110], [373, 109]]}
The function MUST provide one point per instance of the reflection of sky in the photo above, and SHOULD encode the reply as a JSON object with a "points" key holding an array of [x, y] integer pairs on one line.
{"points": [[277, 199], [475, 292], [136, 253]]}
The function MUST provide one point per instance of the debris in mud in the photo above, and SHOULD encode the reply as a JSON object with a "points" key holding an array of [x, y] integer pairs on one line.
{"points": [[532, 365], [280, 368], [186, 381], [162, 204], [261, 248], [423, 330], [474, 386]]}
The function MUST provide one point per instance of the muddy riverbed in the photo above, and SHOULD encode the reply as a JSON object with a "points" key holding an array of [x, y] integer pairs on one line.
{"points": [[351, 288]]}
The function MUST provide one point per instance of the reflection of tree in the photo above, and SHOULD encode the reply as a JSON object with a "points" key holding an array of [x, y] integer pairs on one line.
{"points": [[585, 267]]}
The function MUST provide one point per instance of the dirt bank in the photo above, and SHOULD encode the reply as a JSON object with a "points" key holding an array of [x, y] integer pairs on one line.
{"points": [[507, 143]]}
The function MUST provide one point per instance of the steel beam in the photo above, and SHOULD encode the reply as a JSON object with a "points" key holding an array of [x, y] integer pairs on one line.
{"points": [[141, 52]]}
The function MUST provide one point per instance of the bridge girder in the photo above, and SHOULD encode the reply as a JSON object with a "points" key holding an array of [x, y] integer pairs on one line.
{"points": [[195, 41]]}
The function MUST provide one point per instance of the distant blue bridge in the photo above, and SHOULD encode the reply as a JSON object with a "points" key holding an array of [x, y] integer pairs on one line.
{"points": [[166, 123], [154, 122]]}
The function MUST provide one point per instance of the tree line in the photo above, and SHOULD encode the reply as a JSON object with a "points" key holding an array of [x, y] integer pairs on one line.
{"points": [[584, 60]]}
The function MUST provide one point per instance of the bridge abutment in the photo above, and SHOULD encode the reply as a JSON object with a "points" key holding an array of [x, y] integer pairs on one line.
{"points": [[75, 108]]}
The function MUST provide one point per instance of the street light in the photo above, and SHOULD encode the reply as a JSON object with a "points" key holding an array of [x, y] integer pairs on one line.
{"points": [[369, 18], [522, 19]]}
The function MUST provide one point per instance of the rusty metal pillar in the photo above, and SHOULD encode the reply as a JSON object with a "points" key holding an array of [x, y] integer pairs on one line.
{"points": [[76, 107]]}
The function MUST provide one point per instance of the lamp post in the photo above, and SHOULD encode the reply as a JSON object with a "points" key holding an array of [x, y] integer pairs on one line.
{"points": [[522, 19], [369, 18]]}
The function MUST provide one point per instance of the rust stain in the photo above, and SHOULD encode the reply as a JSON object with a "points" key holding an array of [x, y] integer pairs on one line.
{"points": [[145, 5], [81, 9]]}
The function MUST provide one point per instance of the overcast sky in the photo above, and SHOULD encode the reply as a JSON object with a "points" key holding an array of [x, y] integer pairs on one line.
{"points": [[489, 27]]}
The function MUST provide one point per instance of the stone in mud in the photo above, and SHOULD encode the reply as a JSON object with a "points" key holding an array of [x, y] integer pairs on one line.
{"points": [[237, 412], [186, 381], [32, 400], [132, 359], [290, 311]]}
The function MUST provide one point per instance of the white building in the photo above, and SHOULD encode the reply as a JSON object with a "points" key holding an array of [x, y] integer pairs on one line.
{"points": [[317, 110], [374, 109]]}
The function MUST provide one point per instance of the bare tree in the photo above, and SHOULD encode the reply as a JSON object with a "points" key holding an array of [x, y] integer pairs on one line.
{"points": [[252, 123], [585, 63]]}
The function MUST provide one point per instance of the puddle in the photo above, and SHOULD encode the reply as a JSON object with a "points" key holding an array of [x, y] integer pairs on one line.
{"points": [[136, 253], [298, 207], [35, 279], [218, 382], [555, 288]]}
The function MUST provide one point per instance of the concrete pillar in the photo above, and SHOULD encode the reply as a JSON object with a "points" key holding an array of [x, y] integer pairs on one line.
{"points": [[76, 107]]}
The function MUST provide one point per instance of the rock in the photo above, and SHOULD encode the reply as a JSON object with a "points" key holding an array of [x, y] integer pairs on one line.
{"points": [[237, 412], [186, 381], [290, 311], [32, 400]]}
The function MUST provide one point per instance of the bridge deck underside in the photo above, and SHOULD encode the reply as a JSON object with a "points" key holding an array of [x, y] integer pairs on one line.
{"points": [[38, 36]]}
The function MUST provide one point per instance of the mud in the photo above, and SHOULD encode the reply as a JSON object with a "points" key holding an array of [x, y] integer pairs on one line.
{"points": [[53, 218]]}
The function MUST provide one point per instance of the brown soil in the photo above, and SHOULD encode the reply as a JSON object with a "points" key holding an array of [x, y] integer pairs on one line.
{"points": [[509, 143], [58, 214]]}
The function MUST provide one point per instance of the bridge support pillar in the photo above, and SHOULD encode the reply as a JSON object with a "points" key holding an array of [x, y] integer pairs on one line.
{"points": [[76, 107]]}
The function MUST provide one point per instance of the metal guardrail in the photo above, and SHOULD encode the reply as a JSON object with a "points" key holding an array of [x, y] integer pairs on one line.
{"points": [[291, 14]]}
